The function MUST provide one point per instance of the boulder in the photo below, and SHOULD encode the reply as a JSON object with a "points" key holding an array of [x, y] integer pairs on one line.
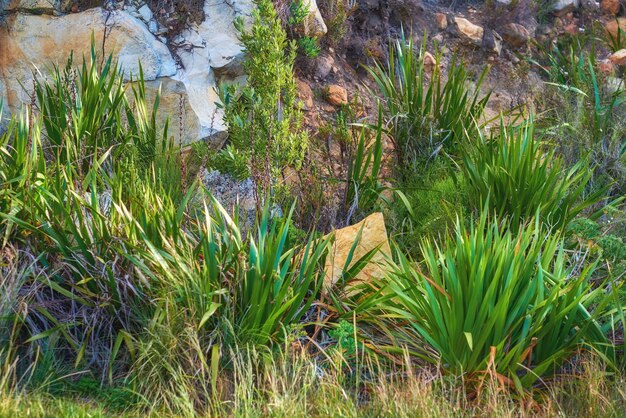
{"points": [[619, 57], [610, 6], [174, 104], [562, 7], [35, 42], [373, 235], [515, 35], [314, 26], [429, 62], [469, 31], [336, 95], [211, 50], [305, 94], [492, 42]]}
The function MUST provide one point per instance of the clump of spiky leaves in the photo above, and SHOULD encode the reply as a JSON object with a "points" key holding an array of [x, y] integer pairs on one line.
{"points": [[512, 172], [500, 301], [425, 111], [263, 118]]}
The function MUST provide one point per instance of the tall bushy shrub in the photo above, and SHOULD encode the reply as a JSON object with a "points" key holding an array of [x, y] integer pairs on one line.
{"points": [[263, 118]]}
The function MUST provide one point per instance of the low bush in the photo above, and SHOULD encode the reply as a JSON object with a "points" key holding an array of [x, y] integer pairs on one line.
{"points": [[498, 301]]}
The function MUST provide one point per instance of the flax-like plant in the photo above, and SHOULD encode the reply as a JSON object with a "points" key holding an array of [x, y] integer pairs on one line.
{"points": [[500, 301], [512, 172], [425, 112], [279, 283]]}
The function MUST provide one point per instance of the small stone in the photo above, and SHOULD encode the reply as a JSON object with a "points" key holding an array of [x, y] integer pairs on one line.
{"points": [[492, 42], [610, 6], [515, 35], [469, 31], [606, 67], [442, 21], [323, 67], [336, 95], [619, 57], [429, 62], [145, 13]]}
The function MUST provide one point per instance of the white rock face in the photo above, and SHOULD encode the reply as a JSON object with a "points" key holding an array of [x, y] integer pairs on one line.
{"points": [[213, 47], [36, 42], [565, 6]]}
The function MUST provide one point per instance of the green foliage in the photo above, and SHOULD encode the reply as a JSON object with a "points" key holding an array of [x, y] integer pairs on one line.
{"points": [[495, 300], [298, 12], [309, 46], [263, 119], [518, 179], [426, 116], [583, 115]]}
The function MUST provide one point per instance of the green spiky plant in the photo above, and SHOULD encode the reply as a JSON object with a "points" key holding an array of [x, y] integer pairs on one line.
{"points": [[512, 172], [501, 301], [425, 112]]}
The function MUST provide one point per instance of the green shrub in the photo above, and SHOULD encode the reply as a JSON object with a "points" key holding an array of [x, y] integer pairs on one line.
{"points": [[493, 300], [424, 112], [309, 47], [511, 172], [264, 121]]}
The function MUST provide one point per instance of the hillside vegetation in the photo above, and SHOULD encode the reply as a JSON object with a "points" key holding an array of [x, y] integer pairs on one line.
{"points": [[129, 288]]}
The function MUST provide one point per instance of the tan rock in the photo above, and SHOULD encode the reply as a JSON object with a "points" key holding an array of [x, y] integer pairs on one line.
{"points": [[610, 6], [515, 34], [469, 31], [336, 95], [373, 235], [614, 26], [442, 21], [32, 6], [429, 62], [184, 125], [619, 57]]}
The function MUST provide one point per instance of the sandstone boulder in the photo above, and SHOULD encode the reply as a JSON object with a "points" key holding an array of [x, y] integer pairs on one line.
{"points": [[615, 27], [442, 21], [373, 235], [33, 6], [610, 6]]}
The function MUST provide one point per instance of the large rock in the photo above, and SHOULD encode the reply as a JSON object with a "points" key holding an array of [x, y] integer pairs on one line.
{"points": [[314, 25], [373, 235], [183, 123], [562, 7], [469, 31], [212, 51], [35, 42]]}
